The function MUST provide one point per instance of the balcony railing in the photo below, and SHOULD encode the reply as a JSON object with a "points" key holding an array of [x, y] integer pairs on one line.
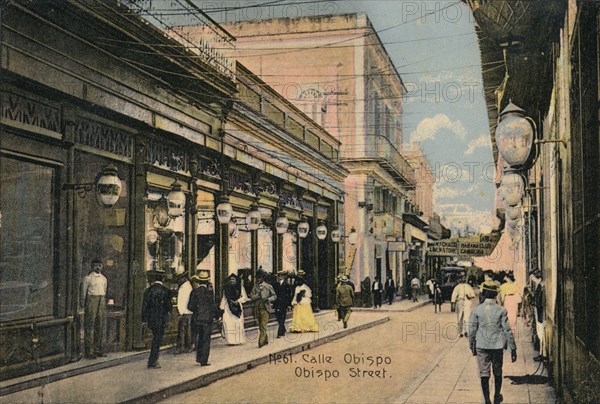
{"points": [[195, 30], [379, 149]]}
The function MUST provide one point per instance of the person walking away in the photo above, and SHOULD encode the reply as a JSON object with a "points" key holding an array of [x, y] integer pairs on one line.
{"points": [[262, 295], [489, 332], [377, 289], [283, 290], [390, 289], [156, 313], [510, 296], [415, 285], [365, 291], [303, 319], [184, 325], [92, 299], [462, 294], [202, 304], [234, 296], [344, 297]]}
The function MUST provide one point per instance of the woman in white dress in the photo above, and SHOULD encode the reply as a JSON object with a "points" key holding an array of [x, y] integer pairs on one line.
{"points": [[234, 296], [303, 319]]}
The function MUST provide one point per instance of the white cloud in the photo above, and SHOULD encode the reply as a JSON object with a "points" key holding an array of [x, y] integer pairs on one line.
{"points": [[452, 192], [482, 141], [429, 127]]}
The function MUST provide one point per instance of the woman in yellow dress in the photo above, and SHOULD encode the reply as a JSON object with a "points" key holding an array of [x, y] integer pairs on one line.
{"points": [[303, 319]]}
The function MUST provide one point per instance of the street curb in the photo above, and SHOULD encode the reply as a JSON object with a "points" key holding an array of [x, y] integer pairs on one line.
{"points": [[381, 310], [204, 380], [95, 366]]}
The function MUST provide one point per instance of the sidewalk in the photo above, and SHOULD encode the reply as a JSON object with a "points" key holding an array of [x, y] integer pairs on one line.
{"points": [[131, 381], [453, 377], [404, 305]]}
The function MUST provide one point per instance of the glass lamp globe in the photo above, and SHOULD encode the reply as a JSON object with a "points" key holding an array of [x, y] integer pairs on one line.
{"points": [[321, 231], [224, 210], [514, 136], [281, 224], [353, 236], [108, 187], [512, 188], [176, 200], [336, 235], [253, 218], [303, 228]]}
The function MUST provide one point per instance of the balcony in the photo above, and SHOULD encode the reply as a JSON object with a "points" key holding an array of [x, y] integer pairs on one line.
{"points": [[377, 148]]}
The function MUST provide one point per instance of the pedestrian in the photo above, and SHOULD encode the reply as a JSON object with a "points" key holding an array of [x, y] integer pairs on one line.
{"points": [[185, 339], [202, 304], [234, 296], [510, 296], [377, 289], [303, 319], [156, 313], [539, 300], [283, 290], [489, 333], [415, 285], [92, 298], [390, 289], [336, 307], [344, 298], [462, 294], [430, 289], [263, 295], [488, 279], [438, 298], [365, 287]]}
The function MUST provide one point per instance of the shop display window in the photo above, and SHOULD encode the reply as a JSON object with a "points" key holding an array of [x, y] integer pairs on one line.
{"points": [[27, 237]]}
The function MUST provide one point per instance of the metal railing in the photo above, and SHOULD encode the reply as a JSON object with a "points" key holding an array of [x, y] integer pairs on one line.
{"points": [[186, 23], [378, 148]]}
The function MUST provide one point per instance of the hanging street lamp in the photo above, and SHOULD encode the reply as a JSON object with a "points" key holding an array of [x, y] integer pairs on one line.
{"points": [[176, 200], [253, 217], [336, 235], [353, 236], [321, 231], [512, 188], [224, 210], [303, 228], [282, 223], [515, 135]]}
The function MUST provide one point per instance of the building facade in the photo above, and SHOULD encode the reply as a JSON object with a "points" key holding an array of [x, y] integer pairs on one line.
{"points": [[554, 78], [89, 88], [353, 91]]}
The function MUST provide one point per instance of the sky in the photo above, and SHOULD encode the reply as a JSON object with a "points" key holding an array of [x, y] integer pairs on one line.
{"points": [[433, 45]]}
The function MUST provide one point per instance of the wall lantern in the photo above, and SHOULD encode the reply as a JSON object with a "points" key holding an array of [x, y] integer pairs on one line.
{"points": [[253, 217], [303, 228], [152, 236], [353, 236], [321, 231], [161, 213], [224, 210], [176, 200], [513, 212], [512, 188], [108, 187], [282, 223], [515, 135], [336, 235]]}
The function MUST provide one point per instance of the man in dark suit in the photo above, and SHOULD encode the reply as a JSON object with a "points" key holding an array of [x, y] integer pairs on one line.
{"points": [[377, 289], [202, 305], [283, 290], [156, 311], [390, 289]]}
